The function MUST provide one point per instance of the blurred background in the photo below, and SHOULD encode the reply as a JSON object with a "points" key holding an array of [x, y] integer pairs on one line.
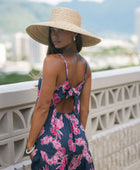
{"points": [[116, 22]]}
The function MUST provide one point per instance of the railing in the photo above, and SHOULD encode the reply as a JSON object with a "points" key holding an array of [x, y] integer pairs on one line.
{"points": [[112, 129]]}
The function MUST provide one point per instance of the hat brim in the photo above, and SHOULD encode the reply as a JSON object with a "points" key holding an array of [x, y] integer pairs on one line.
{"points": [[40, 32]]}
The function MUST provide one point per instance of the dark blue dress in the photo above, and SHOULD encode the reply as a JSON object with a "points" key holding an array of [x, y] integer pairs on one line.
{"points": [[62, 144]]}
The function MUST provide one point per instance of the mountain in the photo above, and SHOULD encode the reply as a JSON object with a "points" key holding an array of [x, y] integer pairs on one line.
{"points": [[16, 15], [111, 16]]}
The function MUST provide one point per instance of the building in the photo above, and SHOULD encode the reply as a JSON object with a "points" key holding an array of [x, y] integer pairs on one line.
{"points": [[2, 54], [25, 48], [37, 52], [137, 12], [20, 47]]}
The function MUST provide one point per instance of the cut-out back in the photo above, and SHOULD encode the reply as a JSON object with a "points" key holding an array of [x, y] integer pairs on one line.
{"points": [[64, 91]]}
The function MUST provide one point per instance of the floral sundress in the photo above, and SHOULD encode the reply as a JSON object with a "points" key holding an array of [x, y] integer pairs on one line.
{"points": [[62, 143]]}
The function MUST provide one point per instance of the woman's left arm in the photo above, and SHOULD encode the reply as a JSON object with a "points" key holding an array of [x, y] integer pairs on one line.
{"points": [[42, 108]]}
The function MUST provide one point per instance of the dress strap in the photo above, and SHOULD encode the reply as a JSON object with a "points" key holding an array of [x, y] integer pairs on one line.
{"points": [[85, 72], [66, 65]]}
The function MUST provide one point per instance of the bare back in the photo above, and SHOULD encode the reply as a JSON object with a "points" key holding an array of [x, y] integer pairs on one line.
{"points": [[76, 73]]}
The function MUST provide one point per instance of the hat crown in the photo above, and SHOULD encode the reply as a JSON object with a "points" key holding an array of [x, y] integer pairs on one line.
{"points": [[66, 15]]}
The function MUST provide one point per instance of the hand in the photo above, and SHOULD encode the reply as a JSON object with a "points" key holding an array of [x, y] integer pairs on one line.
{"points": [[31, 155], [30, 148]]}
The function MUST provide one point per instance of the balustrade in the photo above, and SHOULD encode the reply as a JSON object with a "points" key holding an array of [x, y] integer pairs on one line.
{"points": [[113, 123]]}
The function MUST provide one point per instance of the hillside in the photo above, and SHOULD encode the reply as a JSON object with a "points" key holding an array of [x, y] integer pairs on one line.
{"points": [[111, 16], [15, 15]]}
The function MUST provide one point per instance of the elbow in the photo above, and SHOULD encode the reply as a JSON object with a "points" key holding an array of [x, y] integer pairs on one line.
{"points": [[42, 110]]}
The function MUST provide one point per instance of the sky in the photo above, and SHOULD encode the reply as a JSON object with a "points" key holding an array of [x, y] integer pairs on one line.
{"points": [[56, 2]]}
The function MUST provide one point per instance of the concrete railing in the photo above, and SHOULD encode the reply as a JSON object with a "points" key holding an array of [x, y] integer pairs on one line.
{"points": [[113, 127]]}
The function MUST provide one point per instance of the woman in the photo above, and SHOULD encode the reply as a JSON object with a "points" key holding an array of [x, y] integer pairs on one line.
{"points": [[57, 138]]}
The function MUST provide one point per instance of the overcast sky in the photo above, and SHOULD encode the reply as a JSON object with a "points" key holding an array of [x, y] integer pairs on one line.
{"points": [[55, 2]]}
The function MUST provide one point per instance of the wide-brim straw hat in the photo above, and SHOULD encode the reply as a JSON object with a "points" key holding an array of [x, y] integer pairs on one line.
{"points": [[62, 18]]}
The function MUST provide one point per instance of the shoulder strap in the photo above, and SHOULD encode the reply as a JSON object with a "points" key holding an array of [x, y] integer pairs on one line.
{"points": [[66, 66], [85, 72]]}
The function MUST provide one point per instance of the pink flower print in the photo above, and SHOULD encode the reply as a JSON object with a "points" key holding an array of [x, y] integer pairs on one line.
{"points": [[71, 145], [56, 145], [44, 156], [63, 164], [45, 140], [65, 86], [82, 128], [57, 88], [71, 118], [51, 102], [70, 92], [88, 157], [41, 132], [75, 128], [70, 135], [34, 152], [78, 106], [63, 150], [57, 124], [81, 142], [46, 167], [55, 95], [56, 100], [76, 91], [55, 158], [38, 92], [75, 162], [53, 131], [58, 158]]}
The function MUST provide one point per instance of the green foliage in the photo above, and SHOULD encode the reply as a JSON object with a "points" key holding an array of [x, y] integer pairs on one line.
{"points": [[103, 69], [111, 68], [35, 74], [15, 77], [112, 51], [116, 50]]}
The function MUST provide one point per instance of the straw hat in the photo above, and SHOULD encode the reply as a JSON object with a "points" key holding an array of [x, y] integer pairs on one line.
{"points": [[62, 18]]}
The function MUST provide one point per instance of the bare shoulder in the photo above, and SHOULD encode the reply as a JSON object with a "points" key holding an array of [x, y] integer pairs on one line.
{"points": [[53, 61], [88, 67], [53, 57]]}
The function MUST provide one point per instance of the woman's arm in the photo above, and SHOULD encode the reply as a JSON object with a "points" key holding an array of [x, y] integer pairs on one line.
{"points": [[84, 99], [42, 108]]}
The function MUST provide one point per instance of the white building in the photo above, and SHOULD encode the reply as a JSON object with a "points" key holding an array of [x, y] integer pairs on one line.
{"points": [[21, 47], [138, 27], [2, 54], [37, 52], [25, 48]]}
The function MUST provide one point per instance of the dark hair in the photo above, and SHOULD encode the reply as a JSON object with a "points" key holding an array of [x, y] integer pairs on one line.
{"points": [[53, 50]]}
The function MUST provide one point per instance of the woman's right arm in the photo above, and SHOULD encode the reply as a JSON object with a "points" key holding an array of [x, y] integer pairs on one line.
{"points": [[84, 99], [50, 70]]}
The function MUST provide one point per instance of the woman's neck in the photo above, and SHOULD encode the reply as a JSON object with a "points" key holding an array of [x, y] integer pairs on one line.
{"points": [[69, 51]]}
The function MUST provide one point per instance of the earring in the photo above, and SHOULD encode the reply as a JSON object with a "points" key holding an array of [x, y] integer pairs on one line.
{"points": [[74, 38]]}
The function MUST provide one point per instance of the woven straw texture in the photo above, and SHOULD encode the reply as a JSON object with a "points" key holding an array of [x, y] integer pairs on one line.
{"points": [[62, 18]]}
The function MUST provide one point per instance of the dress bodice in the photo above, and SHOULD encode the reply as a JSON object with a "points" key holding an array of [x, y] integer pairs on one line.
{"points": [[65, 90]]}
